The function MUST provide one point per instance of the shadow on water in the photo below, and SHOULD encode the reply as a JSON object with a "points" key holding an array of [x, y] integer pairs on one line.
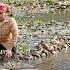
{"points": [[59, 61]]}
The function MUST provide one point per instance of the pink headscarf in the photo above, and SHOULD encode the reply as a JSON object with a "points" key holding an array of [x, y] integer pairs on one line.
{"points": [[3, 7]]}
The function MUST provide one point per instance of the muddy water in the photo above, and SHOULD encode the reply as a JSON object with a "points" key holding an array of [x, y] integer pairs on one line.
{"points": [[58, 61]]}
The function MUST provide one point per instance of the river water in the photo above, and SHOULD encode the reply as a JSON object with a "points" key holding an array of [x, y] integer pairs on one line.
{"points": [[59, 61]]}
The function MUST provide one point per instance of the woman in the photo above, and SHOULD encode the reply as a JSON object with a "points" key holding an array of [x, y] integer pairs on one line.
{"points": [[8, 31]]}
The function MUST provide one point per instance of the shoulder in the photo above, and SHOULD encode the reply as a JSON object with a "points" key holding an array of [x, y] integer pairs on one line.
{"points": [[13, 24], [12, 20]]}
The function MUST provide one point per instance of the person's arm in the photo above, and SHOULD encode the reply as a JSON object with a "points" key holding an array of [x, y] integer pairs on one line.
{"points": [[14, 32], [13, 40]]}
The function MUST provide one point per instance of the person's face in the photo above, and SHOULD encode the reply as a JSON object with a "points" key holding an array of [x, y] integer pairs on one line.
{"points": [[2, 15]]}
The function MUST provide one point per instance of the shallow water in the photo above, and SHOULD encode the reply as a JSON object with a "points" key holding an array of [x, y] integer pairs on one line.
{"points": [[59, 61]]}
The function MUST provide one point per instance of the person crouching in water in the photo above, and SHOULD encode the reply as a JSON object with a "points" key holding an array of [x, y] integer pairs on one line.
{"points": [[8, 32]]}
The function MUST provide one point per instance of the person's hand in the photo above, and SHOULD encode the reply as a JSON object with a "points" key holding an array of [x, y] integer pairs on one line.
{"points": [[8, 53]]}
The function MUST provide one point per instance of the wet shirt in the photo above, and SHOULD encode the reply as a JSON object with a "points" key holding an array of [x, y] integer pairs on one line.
{"points": [[8, 33]]}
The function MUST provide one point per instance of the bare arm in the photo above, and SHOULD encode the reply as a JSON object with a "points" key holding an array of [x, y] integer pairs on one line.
{"points": [[14, 32]]}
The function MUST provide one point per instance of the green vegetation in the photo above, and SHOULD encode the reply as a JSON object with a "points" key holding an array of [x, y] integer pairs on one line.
{"points": [[54, 11]]}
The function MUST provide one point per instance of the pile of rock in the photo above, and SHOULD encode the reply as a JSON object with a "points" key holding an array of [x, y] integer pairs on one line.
{"points": [[56, 44]]}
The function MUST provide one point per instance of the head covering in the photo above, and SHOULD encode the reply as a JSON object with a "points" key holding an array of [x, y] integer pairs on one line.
{"points": [[3, 7]]}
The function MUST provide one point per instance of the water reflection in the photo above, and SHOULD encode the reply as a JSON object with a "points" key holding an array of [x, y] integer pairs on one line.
{"points": [[59, 61]]}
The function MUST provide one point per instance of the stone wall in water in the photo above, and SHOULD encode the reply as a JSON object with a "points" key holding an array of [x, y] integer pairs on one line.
{"points": [[45, 32]]}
